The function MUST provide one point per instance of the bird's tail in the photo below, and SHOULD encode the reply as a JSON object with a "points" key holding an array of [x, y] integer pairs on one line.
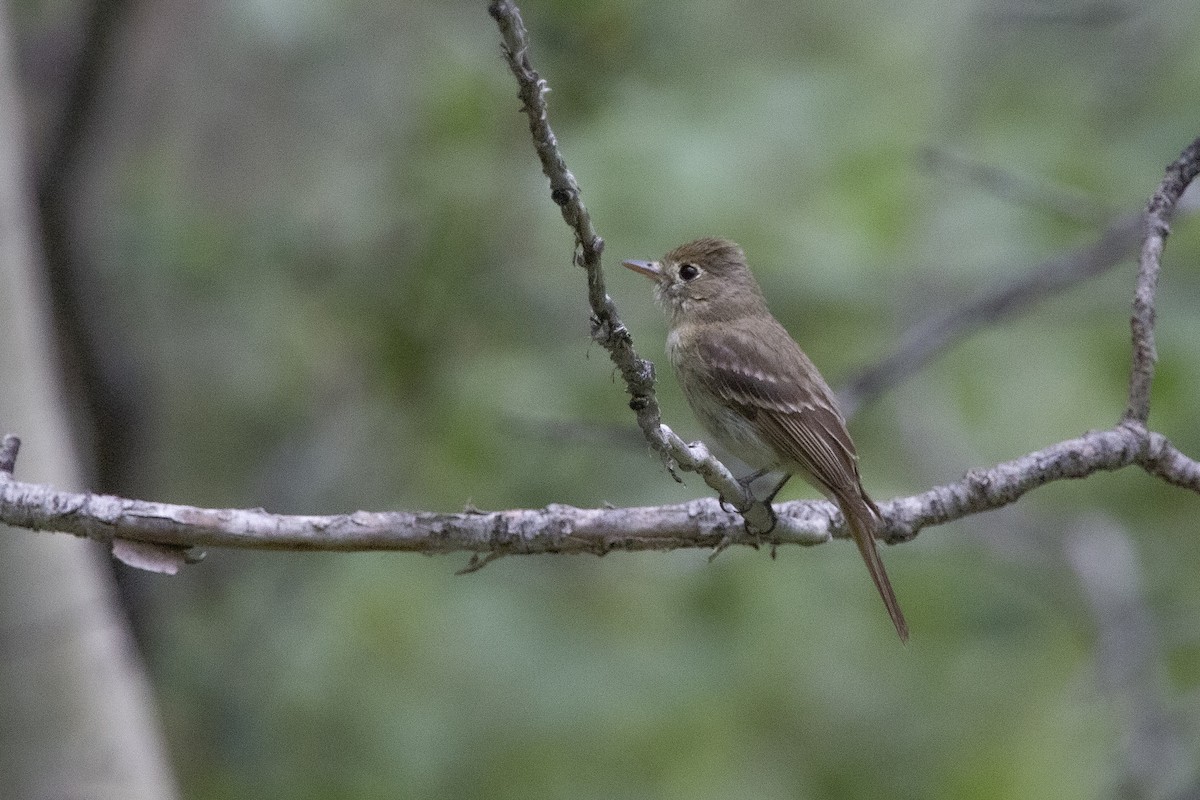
{"points": [[863, 520]]}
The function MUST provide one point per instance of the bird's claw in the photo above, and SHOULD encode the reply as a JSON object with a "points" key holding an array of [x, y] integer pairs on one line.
{"points": [[746, 492], [730, 507], [756, 532]]}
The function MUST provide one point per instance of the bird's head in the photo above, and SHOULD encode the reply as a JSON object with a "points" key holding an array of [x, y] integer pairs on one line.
{"points": [[707, 279]]}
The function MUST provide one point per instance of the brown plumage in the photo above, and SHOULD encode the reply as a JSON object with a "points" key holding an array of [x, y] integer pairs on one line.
{"points": [[755, 390]]}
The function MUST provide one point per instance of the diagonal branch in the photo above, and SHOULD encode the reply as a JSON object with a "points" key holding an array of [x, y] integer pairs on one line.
{"points": [[1163, 460], [1013, 188], [931, 337], [607, 329]]}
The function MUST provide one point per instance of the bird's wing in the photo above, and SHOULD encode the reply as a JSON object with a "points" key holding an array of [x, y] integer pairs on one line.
{"points": [[800, 420], [797, 416]]}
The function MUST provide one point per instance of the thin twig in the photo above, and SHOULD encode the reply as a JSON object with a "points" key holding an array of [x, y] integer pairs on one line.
{"points": [[1163, 460], [607, 328], [1156, 227], [1014, 188]]}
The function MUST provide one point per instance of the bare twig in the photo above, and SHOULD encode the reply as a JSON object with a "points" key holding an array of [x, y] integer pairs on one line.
{"points": [[1163, 460], [554, 529], [1156, 226], [1014, 188], [607, 328], [565, 529]]}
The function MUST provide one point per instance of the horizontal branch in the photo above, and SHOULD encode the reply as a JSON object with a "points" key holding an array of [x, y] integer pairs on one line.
{"points": [[565, 529]]}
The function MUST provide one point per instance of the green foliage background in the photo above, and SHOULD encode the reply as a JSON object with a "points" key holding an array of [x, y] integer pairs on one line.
{"points": [[337, 282]]}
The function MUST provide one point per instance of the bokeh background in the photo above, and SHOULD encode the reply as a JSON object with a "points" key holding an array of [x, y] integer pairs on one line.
{"points": [[304, 259]]}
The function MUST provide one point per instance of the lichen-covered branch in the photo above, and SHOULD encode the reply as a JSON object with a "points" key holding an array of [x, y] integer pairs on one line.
{"points": [[1163, 460], [607, 329], [565, 529]]}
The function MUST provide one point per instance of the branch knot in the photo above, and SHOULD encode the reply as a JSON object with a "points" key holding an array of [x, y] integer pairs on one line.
{"points": [[1138, 435]]}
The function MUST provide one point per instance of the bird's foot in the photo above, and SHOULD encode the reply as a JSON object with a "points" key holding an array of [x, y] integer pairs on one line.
{"points": [[747, 492], [760, 523]]}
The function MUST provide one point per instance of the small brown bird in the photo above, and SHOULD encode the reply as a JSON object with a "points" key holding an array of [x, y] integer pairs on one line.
{"points": [[756, 391]]}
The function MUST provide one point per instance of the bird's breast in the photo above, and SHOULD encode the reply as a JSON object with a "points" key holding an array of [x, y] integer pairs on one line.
{"points": [[730, 428]]}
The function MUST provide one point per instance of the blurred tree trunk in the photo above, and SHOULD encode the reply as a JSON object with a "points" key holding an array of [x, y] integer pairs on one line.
{"points": [[76, 713]]}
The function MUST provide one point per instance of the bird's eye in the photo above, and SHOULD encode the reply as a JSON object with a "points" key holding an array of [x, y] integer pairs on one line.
{"points": [[689, 271]]}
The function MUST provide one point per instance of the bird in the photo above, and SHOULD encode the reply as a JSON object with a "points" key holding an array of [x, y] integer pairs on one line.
{"points": [[756, 392]]}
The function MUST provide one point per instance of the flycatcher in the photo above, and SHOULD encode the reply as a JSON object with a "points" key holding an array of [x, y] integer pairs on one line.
{"points": [[755, 390]]}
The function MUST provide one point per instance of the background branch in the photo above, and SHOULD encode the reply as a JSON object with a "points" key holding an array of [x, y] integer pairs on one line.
{"points": [[931, 337], [1014, 188], [108, 402], [1130, 658], [76, 710]]}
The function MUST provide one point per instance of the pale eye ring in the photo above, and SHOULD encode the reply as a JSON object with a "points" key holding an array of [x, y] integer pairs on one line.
{"points": [[689, 272]]}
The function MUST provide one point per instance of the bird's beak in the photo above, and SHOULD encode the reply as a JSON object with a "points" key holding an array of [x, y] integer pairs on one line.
{"points": [[650, 269]]}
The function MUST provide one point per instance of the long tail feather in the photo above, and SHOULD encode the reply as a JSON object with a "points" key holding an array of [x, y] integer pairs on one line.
{"points": [[863, 523]]}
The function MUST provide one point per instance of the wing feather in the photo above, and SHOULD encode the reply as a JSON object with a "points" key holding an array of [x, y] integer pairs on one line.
{"points": [[773, 383]]}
